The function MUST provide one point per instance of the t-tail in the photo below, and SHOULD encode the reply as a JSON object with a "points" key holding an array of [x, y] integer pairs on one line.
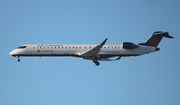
{"points": [[155, 39]]}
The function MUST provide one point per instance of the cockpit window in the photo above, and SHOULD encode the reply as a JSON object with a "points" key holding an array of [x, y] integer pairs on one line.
{"points": [[21, 47]]}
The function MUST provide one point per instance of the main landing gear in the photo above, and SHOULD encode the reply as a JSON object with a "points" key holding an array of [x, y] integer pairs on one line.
{"points": [[18, 59], [96, 62]]}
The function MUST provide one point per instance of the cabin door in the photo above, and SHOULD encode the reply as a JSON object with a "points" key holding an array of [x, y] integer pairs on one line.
{"points": [[29, 49]]}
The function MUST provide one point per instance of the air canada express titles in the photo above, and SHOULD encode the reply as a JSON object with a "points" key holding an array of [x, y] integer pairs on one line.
{"points": [[49, 45]]}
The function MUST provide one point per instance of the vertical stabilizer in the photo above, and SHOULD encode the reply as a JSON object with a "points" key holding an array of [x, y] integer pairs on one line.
{"points": [[155, 39]]}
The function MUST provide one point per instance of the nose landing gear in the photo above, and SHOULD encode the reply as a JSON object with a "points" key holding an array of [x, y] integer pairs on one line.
{"points": [[18, 59]]}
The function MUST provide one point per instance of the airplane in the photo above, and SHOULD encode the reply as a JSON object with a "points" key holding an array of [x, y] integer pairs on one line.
{"points": [[94, 52]]}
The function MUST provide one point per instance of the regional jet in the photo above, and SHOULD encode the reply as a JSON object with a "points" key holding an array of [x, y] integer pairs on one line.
{"points": [[94, 52]]}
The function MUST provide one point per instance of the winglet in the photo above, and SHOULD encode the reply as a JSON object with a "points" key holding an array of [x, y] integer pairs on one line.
{"points": [[104, 41]]}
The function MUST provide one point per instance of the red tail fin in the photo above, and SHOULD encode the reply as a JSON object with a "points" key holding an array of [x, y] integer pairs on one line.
{"points": [[155, 39]]}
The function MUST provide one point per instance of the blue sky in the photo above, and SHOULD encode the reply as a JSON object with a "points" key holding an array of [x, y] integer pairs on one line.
{"points": [[151, 79]]}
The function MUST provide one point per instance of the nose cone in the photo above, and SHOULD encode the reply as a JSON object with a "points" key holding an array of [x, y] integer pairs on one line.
{"points": [[12, 53]]}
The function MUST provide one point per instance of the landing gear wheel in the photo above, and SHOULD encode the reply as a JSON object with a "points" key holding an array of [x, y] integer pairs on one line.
{"points": [[97, 63]]}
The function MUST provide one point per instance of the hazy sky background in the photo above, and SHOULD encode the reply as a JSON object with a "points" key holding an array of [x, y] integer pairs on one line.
{"points": [[151, 79]]}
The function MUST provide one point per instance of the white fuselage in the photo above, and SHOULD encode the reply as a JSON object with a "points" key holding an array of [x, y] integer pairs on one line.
{"points": [[94, 52], [109, 50]]}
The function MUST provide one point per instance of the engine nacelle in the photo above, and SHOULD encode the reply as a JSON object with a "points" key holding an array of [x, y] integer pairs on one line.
{"points": [[129, 45]]}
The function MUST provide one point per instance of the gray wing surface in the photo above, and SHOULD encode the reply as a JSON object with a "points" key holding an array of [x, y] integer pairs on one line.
{"points": [[94, 53]]}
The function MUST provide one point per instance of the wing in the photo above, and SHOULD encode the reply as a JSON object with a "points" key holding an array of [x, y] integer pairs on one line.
{"points": [[107, 59], [94, 53]]}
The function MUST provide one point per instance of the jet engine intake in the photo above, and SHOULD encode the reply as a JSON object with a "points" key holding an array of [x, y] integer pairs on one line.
{"points": [[129, 45]]}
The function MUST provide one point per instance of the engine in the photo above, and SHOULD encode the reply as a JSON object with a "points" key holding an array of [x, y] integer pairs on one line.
{"points": [[129, 45]]}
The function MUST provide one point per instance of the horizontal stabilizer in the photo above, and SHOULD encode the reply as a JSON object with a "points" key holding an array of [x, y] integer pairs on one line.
{"points": [[164, 34]]}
